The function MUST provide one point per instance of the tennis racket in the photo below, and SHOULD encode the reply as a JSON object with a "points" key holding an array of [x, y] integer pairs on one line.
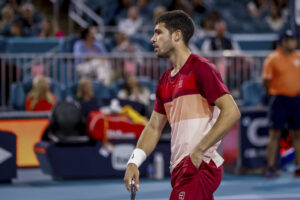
{"points": [[132, 191]]}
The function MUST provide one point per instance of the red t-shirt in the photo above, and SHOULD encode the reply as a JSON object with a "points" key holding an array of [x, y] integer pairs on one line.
{"points": [[187, 99], [42, 105]]}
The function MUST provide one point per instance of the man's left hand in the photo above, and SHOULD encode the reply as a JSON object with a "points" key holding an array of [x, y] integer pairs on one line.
{"points": [[196, 158]]}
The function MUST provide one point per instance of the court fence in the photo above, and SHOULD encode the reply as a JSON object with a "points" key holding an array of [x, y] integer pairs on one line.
{"points": [[235, 68]]}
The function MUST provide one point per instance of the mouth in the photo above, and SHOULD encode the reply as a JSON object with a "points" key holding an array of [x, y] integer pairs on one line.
{"points": [[155, 47]]}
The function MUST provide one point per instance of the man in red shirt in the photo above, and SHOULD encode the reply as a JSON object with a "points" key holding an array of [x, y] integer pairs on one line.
{"points": [[193, 98]]}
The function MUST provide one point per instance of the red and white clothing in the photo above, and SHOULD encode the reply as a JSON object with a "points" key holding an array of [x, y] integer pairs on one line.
{"points": [[188, 101]]}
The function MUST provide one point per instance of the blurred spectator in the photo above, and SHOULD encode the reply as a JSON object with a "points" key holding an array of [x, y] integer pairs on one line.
{"points": [[40, 98], [116, 12], [220, 41], [281, 78], [85, 96], [282, 5], [206, 28], [132, 23], [50, 29], [30, 20], [181, 5], [146, 8], [15, 29], [7, 16], [87, 43], [198, 7], [157, 12], [257, 7], [124, 44], [134, 91], [275, 20], [15, 4], [208, 24], [96, 68]]}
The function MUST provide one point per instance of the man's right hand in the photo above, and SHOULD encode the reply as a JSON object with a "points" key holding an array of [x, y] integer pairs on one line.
{"points": [[132, 172]]}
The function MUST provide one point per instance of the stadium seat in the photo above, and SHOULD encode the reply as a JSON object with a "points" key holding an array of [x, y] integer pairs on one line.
{"points": [[145, 81], [252, 92], [31, 45], [17, 96], [66, 46], [255, 45], [100, 90], [142, 42], [2, 44]]}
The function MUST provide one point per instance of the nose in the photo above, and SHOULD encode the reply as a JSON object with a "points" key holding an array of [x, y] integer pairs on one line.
{"points": [[153, 39]]}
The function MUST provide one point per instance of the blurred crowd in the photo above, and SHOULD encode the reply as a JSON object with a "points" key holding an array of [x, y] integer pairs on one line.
{"points": [[20, 18], [24, 20]]}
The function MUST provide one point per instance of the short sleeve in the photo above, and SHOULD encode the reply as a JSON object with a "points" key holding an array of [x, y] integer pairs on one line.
{"points": [[209, 82], [267, 71], [159, 105]]}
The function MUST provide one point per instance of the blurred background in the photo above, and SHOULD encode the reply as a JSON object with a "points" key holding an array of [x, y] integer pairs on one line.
{"points": [[77, 86]]}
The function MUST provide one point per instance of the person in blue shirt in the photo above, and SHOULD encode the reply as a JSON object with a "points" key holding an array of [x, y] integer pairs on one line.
{"points": [[88, 43]]}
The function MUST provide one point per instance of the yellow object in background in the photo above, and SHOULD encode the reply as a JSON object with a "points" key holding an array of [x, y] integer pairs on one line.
{"points": [[133, 115]]}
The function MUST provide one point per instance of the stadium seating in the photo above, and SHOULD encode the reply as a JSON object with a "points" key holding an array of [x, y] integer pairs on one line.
{"points": [[17, 96], [31, 45], [55, 87], [19, 90], [252, 92], [145, 81], [100, 90]]}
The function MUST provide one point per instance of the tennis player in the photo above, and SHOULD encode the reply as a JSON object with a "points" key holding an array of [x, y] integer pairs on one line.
{"points": [[193, 98]]}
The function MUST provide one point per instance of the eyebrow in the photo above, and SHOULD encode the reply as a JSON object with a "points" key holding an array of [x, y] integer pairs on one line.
{"points": [[156, 30]]}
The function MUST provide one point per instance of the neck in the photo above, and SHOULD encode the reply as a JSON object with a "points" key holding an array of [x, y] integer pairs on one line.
{"points": [[286, 52], [89, 43], [179, 58]]}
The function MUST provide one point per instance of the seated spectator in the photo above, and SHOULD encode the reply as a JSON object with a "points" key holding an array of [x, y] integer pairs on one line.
{"points": [[275, 20], [85, 96], [257, 7], [7, 16], [117, 11], [180, 5], [132, 23], [15, 29], [40, 98], [92, 67], [282, 5], [50, 29], [197, 10], [157, 12], [88, 44], [146, 8], [134, 91], [124, 44], [220, 41], [30, 20]]}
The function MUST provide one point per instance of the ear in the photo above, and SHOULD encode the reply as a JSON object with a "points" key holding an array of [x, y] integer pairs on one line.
{"points": [[177, 35]]}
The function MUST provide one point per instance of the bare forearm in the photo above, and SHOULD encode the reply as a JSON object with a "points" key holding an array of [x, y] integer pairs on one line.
{"points": [[149, 139], [223, 124]]}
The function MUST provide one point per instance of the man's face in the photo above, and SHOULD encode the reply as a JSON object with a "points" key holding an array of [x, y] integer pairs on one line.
{"points": [[162, 41], [290, 44]]}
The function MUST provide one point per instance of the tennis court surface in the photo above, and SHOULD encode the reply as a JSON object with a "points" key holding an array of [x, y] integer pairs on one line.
{"points": [[33, 185]]}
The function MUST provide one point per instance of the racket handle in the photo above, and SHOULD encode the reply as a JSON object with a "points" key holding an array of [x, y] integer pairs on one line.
{"points": [[132, 190]]}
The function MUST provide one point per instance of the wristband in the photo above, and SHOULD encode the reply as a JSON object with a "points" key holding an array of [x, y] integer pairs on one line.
{"points": [[137, 157]]}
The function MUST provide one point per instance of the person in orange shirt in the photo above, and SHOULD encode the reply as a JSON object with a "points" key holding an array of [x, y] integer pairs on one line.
{"points": [[40, 98], [281, 78]]}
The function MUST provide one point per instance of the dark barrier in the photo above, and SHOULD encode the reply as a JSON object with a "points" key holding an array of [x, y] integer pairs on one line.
{"points": [[8, 166], [77, 161]]}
